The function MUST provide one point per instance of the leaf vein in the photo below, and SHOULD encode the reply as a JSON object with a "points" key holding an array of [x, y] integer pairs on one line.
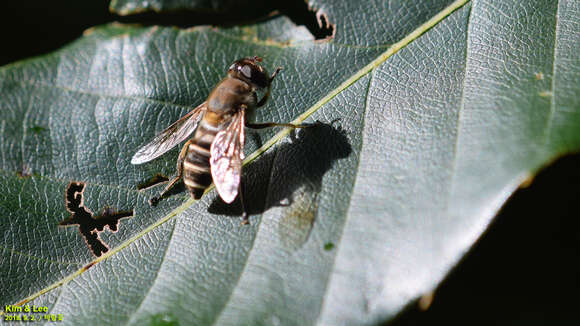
{"points": [[156, 275], [550, 119], [100, 95], [453, 169], [31, 256], [347, 208], [277, 137]]}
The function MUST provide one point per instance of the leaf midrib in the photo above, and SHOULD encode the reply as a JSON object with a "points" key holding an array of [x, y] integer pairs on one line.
{"points": [[363, 72]]}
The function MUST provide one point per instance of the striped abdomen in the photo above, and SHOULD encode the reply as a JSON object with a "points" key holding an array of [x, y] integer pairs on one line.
{"points": [[196, 168]]}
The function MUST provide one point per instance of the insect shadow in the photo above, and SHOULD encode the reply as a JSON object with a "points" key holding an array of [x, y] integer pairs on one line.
{"points": [[283, 174]]}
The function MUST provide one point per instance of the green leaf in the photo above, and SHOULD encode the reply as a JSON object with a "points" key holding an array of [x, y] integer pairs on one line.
{"points": [[433, 114]]}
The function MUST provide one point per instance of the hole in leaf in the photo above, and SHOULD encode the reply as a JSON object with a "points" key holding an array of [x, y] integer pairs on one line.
{"points": [[241, 13], [316, 21], [90, 227], [64, 21]]}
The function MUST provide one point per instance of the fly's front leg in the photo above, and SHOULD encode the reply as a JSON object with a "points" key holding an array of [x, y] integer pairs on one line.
{"points": [[153, 201], [267, 95]]}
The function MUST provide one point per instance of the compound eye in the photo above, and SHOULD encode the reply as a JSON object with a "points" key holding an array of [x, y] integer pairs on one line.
{"points": [[246, 71]]}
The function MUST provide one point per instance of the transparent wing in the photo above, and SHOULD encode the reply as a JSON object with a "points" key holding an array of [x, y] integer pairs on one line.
{"points": [[173, 135], [227, 154]]}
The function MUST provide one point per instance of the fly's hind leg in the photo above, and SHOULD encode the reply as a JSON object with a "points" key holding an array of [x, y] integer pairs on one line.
{"points": [[245, 219], [274, 124], [153, 201]]}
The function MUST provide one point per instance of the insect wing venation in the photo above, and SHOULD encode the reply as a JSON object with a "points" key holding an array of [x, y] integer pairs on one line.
{"points": [[168, 138], [227, 154]]}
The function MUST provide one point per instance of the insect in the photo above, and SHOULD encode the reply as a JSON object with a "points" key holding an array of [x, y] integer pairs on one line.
{"points": [[215, 151]]}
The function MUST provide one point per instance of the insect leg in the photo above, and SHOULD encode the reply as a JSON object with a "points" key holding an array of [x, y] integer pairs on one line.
{"points": [[245, 219], [274, 124], [153, 201], [267, 95]]}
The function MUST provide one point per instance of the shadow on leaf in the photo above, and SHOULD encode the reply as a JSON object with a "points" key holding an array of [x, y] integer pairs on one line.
{"points": [[290, 174]]}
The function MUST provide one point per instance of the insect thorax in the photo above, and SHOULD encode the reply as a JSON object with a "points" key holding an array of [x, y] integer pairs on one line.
{"points": [[230, 95]]}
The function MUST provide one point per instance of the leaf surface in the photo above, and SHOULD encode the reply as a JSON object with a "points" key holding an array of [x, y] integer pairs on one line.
{"points": [[433, 114]]}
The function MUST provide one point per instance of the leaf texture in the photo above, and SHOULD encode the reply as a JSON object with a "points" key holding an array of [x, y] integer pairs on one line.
{"points": [[432, 114]]}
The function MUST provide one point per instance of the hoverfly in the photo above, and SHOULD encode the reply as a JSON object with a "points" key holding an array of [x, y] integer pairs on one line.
{"points": [[215, 151]]}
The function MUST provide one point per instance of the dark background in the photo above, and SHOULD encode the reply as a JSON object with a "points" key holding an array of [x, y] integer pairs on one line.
{"points": [[523, 271]]}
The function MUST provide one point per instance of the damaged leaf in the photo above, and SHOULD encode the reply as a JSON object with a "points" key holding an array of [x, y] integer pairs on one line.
{"points": [[128, 7], [431, 116], [90, 226]]}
